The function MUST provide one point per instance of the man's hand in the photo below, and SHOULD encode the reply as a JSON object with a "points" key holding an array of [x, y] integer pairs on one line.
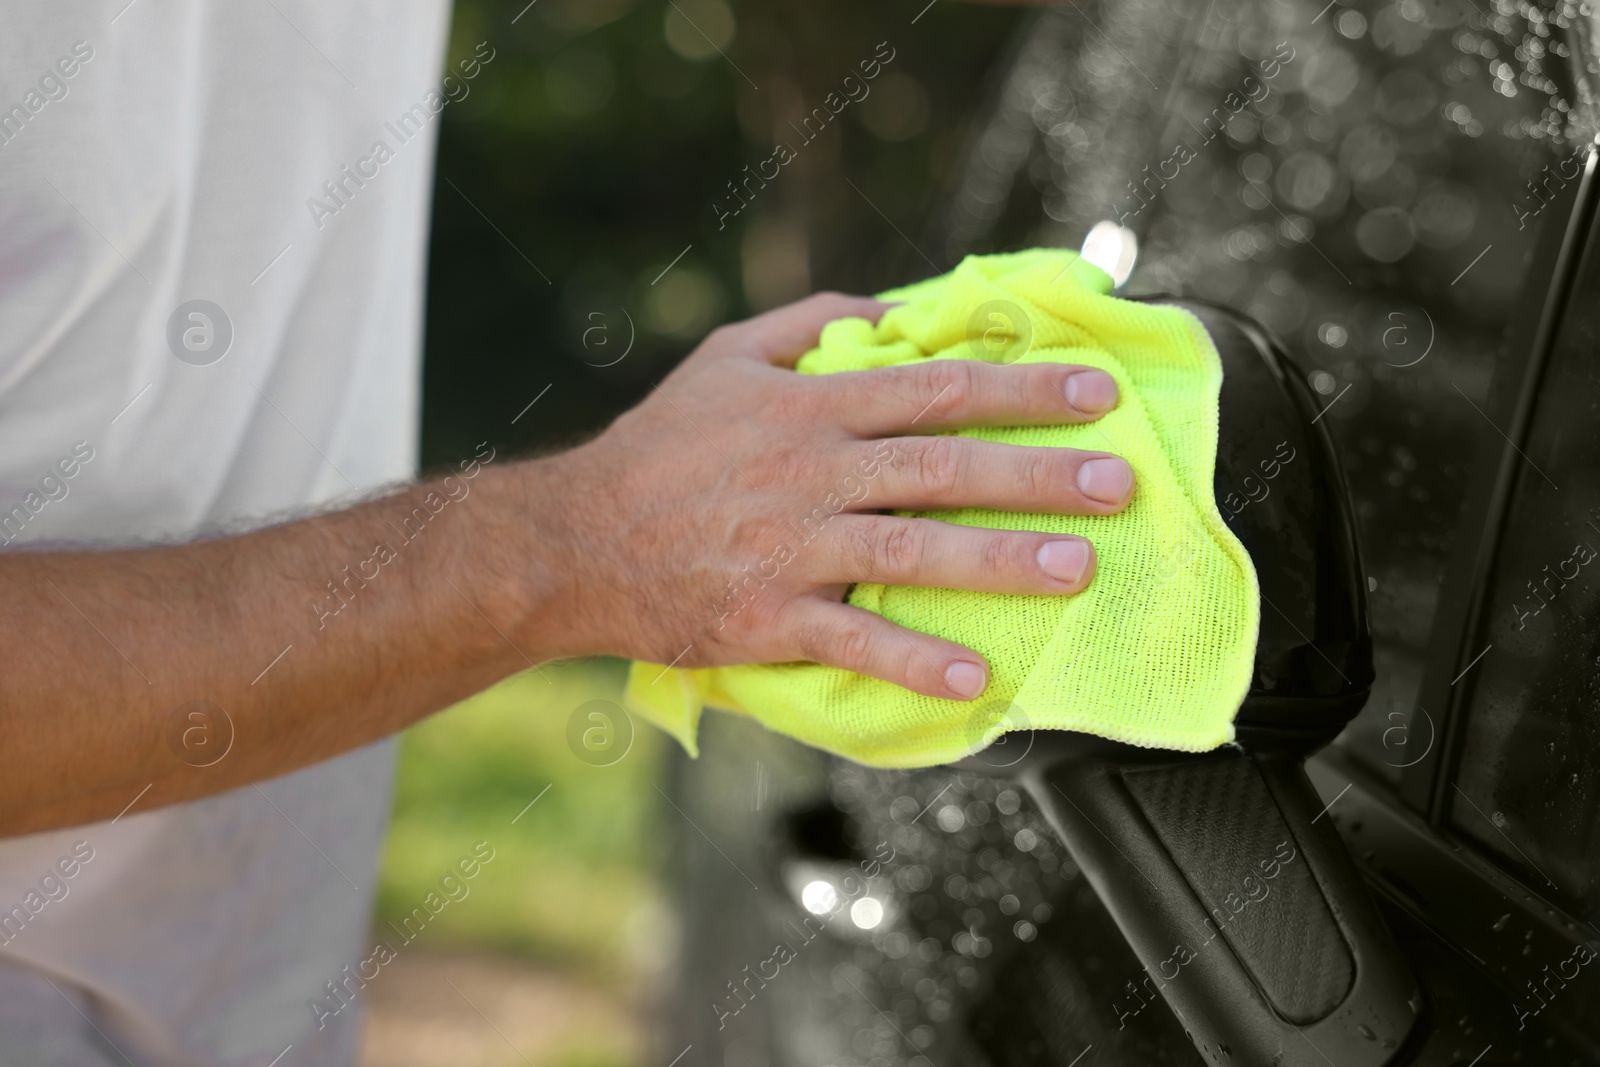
{"points": [[723, 520], [700, 529]]}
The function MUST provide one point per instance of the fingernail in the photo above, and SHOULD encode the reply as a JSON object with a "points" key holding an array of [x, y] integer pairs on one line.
{"points": [[1065, 561], [1092, 392], [966, 680], [1107, 479]]}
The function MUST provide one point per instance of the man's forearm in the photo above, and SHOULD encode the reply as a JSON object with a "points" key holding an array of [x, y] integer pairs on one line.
{"points": [[313, 637]]}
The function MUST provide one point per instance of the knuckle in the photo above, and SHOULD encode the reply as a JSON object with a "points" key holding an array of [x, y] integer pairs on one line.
{"points": [[793, 402], [998, 557], [939, 463], [899, 549], [953, 385], [1038, 474], [831, 402], [854, 645], [859, 549], [791, 468], [757, 532], [829, 305], [764, 613], [821, 642], [811, 641]]}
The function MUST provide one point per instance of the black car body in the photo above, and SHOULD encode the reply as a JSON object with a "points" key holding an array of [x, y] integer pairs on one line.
{"points": [[1404, 194]]}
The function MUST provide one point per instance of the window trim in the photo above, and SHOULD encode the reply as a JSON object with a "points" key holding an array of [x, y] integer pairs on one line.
{"points": [[1455, 889]]}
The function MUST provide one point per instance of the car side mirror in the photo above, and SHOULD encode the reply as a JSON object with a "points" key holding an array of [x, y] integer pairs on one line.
{"points": [[1239, 898]]}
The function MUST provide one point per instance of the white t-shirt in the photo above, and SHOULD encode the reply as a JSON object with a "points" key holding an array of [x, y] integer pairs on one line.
{"points": [[153, 154]]}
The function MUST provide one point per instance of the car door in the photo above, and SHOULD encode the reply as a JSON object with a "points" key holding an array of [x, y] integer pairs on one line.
{"points": [[1390, 187], [1403, 196]]}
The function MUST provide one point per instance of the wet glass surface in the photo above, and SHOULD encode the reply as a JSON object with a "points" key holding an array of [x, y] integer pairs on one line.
{"points": [[1529, 785], [1367, 179]]}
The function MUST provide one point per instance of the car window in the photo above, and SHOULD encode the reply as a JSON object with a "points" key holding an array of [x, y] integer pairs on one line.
{"points": [[1529, 785], [1367, 179]]}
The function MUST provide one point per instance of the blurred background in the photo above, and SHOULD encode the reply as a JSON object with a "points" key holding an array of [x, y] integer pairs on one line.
{"points": [[600, 206], [596, 150], [586, 234]]}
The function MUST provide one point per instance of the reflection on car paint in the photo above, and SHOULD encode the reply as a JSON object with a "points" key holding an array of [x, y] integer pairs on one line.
{"points": [[1258, 490]]}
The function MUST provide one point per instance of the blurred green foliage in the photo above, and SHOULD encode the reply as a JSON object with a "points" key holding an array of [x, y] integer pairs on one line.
{"points": [[596, 144], [570, 879]]}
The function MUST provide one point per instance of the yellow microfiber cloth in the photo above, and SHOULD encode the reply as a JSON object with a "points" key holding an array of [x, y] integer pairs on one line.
{"points": [[1157, 652]]}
